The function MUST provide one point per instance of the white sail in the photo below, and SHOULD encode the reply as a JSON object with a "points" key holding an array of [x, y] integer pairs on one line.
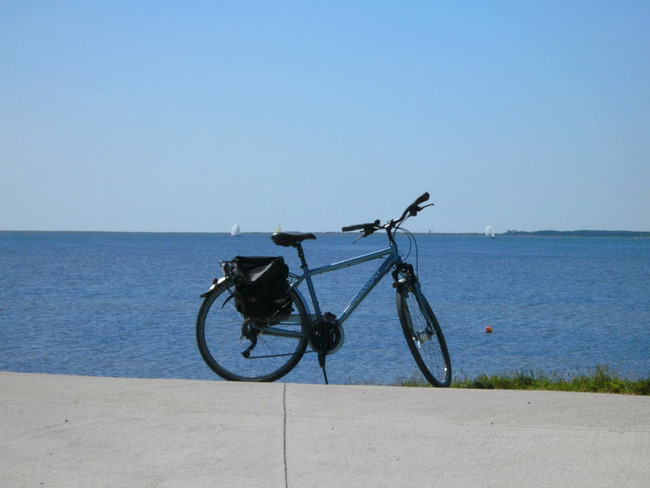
{"points": [[489, 232], [235, 231]]}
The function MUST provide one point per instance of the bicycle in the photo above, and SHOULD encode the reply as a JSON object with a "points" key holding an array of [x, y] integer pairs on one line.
{"points": [[243, 350]]}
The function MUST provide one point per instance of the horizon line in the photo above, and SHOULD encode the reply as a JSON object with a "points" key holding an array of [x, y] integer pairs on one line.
{"points": [[511, 232]]}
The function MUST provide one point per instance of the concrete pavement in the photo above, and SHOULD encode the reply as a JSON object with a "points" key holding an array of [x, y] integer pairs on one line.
{"points": [[68, 431]]}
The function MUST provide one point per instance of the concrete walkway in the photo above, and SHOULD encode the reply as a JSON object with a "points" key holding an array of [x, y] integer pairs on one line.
{"points": [[67, 431]]}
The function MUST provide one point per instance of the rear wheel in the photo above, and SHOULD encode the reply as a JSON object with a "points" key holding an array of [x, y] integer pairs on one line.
{"points": [[225, 340], [423, 335]]}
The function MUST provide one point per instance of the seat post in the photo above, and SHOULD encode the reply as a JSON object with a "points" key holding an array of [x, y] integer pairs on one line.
{"points": [[301, 255]]}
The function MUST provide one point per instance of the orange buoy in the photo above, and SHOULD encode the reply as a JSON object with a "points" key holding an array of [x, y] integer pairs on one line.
{"points": [[488, 330]]}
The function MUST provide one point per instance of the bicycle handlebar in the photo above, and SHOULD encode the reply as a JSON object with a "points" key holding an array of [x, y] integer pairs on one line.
{"points": [[411, 211]]}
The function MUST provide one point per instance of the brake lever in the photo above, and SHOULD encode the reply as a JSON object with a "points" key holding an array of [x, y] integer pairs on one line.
{"points": [[368, 229], [414, 210]]}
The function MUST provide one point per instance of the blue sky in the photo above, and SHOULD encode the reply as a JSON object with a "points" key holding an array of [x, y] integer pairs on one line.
{"points": [[194, 115]]}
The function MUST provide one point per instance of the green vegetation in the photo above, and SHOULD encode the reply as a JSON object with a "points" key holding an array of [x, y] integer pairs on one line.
{"points": [[599, 380], [579, 233]]}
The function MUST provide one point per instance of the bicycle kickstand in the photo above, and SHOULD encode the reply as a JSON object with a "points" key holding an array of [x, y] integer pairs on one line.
{"points": [[322, 355]]}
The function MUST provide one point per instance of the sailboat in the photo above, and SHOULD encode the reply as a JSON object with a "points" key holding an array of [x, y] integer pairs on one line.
{"points": [[235, 231], [489, 232]]}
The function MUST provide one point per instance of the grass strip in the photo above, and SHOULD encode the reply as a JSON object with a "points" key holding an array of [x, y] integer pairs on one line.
{"points": [[601, 379]]}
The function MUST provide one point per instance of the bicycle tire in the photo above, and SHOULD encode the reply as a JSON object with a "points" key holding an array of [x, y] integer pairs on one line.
{"points": [[423, 335], [221, 342]]}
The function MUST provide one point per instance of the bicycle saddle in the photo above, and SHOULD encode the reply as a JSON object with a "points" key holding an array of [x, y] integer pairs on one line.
{"points": [[285, 239]]}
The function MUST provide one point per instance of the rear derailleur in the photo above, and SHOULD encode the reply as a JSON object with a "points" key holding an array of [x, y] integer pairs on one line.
{"points": [[250, 333]]}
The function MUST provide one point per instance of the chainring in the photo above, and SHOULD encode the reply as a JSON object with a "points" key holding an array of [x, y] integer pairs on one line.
{"points": [[326, 335]]}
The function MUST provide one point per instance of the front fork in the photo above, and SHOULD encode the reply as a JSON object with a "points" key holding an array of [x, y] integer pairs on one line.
{"points": [[406, 270], [408, 275]]}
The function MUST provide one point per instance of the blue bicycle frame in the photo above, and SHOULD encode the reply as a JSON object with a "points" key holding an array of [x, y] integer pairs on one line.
{"points": [[392, 258]]}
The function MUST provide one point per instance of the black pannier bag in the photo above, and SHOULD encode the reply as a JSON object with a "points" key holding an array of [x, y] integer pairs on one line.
{"points": [[261, 287]]}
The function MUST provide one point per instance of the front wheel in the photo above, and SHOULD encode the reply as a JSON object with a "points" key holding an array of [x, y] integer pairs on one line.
{"points": [[240, 351], [423, 334]]}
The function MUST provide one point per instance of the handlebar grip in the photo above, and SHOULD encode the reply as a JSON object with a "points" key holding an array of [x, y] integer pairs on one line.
{"points": [[366, 228], [353, 227], [423, 198], [414, 208]]}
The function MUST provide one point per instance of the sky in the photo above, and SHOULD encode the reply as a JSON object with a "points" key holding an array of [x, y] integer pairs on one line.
{"points": [[190, 116]]}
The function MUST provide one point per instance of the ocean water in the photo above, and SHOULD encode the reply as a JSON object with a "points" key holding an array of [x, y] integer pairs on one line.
{"points": [[125, 304]]}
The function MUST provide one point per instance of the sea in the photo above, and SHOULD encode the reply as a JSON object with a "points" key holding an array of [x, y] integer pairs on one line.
{"points": [[125, 304]]}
